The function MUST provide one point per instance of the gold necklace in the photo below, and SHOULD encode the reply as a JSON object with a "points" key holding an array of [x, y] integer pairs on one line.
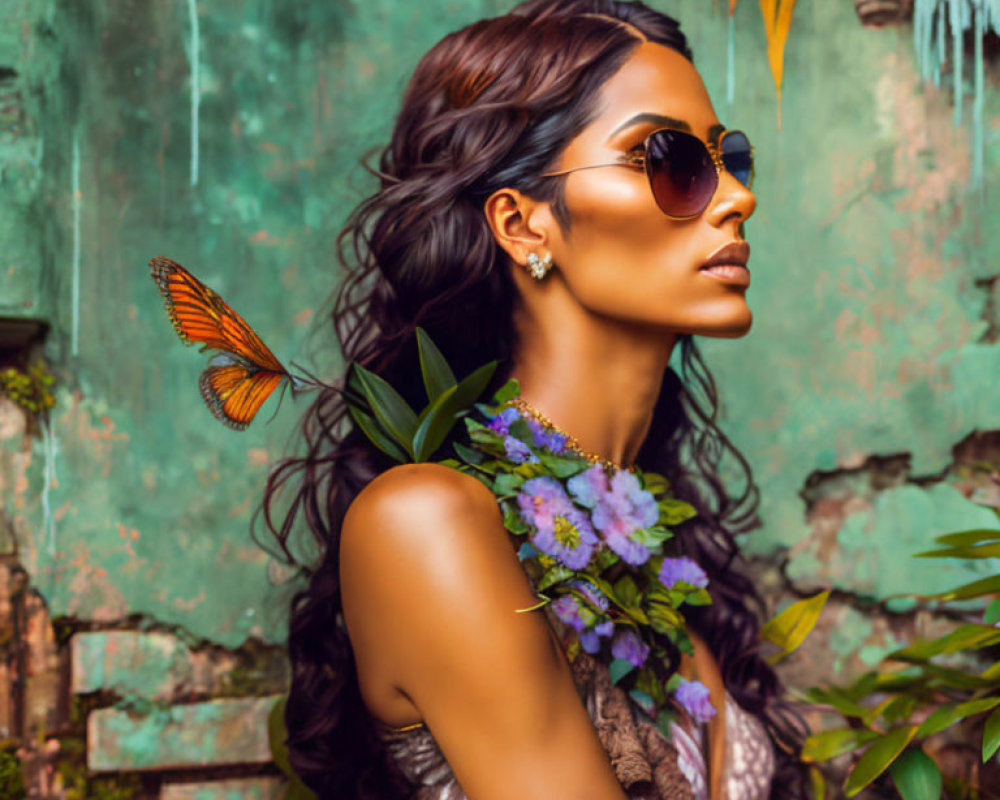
{"points": [[571, 442]]}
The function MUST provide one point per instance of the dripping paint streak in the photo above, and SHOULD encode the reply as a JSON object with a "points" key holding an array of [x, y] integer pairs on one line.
{"points": [[77, 203], [731, 63], [49, 475], [957, 28], [195, 86], [977, 106]]}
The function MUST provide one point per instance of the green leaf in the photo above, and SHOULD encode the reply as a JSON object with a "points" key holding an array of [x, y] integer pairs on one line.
{"points": [[817, 783], [991, 550], [663, 720], [389, 407], [879, 755], [563, 467], [648, 683], [512, 519], [651, 537], [992, 614], [664, 618], [947, 715], [789, 628], [991, 735], [968, 537], [370, 427], [296, 790], [619, 668], [899, 709], [555, 575], [836, 698], [606, 557], [989, 585], [965, 637], [699, 597], [469, 454], [441, 415], [643, 699], [438, 377], [828, 744], [507, 485], [626, 591], [916, 776], [276, 735], [674, 511], [508, 391], [991, 673], [654, 482]]}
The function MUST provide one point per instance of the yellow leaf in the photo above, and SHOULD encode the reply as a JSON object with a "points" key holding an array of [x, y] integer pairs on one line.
{"points": [[789, 628]]}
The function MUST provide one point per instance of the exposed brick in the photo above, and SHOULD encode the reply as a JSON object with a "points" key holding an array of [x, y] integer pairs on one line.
{"points": [[227, 731], [242, 789], [153, 665]]}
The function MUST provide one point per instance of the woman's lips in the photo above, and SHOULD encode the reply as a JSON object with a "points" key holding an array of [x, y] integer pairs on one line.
{"points": [[730, 273]]}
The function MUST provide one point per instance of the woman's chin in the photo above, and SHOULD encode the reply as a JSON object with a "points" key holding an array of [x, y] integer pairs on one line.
{"points": [[731, 328]]}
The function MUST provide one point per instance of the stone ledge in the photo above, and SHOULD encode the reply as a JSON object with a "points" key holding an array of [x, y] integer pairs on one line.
{"points": [[224, 731], [240, 789]]}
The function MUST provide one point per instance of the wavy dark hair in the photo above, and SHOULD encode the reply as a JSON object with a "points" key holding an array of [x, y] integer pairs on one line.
{"points": [[489, 106]]}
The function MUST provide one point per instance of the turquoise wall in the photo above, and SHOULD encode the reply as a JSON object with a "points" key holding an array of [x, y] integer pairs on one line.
{"points": [[871, 336]]}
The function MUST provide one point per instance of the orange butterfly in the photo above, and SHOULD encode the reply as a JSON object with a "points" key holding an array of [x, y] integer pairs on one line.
{"points": [[244, 373]]}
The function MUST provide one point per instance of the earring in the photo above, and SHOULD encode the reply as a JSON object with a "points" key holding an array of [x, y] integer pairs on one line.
{"points": [[538, 267]]}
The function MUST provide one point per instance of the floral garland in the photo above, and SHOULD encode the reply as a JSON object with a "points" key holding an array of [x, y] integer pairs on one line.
{"points": [[594, 542]]}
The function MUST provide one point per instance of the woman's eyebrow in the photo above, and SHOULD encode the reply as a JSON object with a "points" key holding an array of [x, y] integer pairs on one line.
{"points": [[647, 116], [714, 132]]}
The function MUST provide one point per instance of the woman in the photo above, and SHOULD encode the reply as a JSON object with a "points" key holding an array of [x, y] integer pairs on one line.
{"points": [[516, 221]]}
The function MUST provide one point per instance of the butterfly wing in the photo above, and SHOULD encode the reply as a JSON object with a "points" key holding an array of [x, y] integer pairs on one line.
{"points": [[245, 372], [199, 315], [235, 391]]}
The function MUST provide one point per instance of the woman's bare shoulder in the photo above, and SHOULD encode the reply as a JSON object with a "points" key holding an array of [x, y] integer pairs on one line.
{"points": [[431, 585], [429, 528], [421, 506]]}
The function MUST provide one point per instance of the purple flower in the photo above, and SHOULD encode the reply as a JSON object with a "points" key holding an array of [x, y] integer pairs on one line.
{"points": [[693, 698], [561, 529], [517, 451], [551, 440], [620, 508], [589, 486], [590, 640], [567, 607], [629, 646], [500, 423], [682, 569]]}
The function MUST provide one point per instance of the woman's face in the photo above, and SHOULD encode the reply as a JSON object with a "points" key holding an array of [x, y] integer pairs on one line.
{"points": [[622, 256]]}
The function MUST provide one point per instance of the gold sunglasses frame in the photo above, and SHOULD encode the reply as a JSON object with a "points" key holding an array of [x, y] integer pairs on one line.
{"points": [[638, 161]]}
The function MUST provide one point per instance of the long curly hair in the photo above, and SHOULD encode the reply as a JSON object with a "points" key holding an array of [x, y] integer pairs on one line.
{"points": [[489, 106]]}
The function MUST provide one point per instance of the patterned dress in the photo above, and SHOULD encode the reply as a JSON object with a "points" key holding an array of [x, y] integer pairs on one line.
{"points": [[648, 765]]}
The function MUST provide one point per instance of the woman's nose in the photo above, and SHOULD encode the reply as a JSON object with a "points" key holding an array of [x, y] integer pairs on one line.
{"points": [[731, 199]]}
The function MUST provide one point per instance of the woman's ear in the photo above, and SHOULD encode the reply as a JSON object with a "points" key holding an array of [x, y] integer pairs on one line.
{"points": [[520, 224]]}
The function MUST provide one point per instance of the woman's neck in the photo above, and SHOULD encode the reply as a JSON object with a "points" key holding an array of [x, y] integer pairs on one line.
{"points": [[595, 378]]}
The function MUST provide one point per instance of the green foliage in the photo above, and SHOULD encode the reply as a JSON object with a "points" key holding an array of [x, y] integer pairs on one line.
{"points": [[276, 736], [30, 390], [921, 690], [11, 781], [397, 430]]}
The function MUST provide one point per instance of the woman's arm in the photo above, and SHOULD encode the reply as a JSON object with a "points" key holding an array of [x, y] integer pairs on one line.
{"points": [[430, 581]]}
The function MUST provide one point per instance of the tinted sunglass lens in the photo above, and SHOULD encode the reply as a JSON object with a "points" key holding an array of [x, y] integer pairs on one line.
{"points": [[681, 172], [737, 156]]}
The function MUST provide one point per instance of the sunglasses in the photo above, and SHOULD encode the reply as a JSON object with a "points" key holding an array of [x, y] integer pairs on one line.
{"points": [[683, 171]]}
